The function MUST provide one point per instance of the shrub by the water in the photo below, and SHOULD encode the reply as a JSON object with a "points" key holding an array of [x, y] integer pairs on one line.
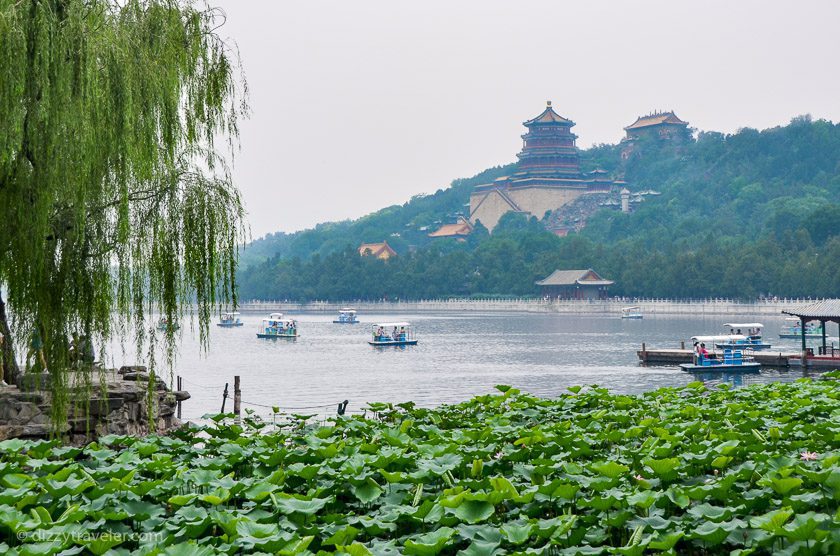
{"points": [[689, 471]]}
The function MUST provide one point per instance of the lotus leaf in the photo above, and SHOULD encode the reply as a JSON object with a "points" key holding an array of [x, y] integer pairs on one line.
{"points": [[429, 544], [474, 511], [680, 470], [291, 504], [368, 491]]}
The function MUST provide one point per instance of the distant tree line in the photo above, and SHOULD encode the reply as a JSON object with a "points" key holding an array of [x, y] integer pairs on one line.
{"points": [[742, 215]]}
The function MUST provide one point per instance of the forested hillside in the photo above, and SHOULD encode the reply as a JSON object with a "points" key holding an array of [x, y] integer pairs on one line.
{"points": [[739, 216]]}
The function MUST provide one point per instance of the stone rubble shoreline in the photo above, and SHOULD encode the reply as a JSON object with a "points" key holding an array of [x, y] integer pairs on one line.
{"points": [[121, 408]]}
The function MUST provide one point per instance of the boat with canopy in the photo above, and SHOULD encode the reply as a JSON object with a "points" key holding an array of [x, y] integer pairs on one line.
{"points": [[346, 316], [277, 326], [634, 312], [792, 329], [229, 320], [744, 335], [393, 334]]}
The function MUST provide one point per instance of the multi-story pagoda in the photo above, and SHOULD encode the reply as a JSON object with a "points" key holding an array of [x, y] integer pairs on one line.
{"points": [[547, 174], [548, 147]]}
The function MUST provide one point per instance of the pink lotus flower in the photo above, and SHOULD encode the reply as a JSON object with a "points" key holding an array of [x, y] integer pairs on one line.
{"points": [[808, 456], [638, 477], [498, 455]]}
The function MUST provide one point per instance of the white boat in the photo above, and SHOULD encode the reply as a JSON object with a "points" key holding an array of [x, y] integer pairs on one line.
{"points": [[276, 326], [229, 320], [346, 316], [393, 334], [792, 329], [745, 335], [634, 312]]}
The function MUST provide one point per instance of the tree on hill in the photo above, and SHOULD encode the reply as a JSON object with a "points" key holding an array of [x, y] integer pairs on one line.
{"points": [[112, 199], [739, 215]]}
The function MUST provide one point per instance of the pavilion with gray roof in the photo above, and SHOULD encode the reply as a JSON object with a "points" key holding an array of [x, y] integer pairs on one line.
{"points": [[824, 311], [575, 284]]}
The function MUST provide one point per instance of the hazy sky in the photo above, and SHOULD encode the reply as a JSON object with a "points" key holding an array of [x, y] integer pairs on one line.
{"points": [[360, 104]]}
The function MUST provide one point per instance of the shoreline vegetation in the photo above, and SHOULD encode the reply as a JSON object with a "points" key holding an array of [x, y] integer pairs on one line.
{"points": [[686, 470], [736, 215]]}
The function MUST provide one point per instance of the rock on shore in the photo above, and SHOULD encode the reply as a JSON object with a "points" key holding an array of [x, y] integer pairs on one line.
{"points": [[122, 407]]}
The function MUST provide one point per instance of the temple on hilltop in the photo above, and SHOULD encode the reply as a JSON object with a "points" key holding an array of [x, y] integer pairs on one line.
{"points": [[547, 175], [660, 126], [663, 125]]}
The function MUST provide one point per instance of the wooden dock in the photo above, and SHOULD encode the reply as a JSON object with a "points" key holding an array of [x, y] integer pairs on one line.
{"points": [[768, 358]]}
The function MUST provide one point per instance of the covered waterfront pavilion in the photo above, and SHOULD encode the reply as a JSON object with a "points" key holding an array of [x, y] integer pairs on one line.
{"points": [[824, 311]]}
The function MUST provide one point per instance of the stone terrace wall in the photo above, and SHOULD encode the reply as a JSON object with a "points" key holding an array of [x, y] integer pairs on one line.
{"points": [[608, 307], [121, 408]]}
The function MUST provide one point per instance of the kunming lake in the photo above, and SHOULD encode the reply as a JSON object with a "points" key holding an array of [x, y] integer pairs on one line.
{"points": [[459, 355]]}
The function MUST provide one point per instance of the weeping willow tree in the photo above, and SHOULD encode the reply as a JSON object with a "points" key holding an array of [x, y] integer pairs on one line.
{"points": [[113, 202]]}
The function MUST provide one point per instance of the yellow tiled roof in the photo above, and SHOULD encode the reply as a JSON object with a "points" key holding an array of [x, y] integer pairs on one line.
{"points": [[656, 119], [461, 228], [376, 249], [548, 116]]}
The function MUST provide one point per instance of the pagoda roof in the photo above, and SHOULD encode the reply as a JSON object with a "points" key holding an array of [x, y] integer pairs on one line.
{"points": [[460, 228], [657, 118], [379, 250], [548, 116], [574, 277]]}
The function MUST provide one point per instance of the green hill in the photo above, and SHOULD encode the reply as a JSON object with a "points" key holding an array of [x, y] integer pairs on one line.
{"points": [[401, 225], [755, 212]]}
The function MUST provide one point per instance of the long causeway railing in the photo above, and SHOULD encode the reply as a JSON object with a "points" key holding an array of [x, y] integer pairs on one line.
{"points": [[712, 306]]}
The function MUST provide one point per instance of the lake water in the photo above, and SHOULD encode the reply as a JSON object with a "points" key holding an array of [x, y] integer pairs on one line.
{"points": [[459, 355]]}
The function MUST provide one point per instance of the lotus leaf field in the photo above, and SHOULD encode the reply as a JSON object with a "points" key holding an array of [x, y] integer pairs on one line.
{"points": [[694, 470]]}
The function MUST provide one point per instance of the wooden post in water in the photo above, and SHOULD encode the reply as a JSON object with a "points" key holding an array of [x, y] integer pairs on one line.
{"points": [[644, 353], [180, 387], [682, 344], [237, 400], [224, 397]]}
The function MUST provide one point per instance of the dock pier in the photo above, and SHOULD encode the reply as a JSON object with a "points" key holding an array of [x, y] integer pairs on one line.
{"points": [[675, 356]]}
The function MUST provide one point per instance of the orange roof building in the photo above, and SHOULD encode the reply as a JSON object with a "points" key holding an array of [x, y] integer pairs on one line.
{"points": [[458, 230], [379, 250], [660, 124]]}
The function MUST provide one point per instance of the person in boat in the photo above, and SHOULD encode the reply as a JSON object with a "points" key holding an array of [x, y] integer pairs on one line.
{"points": [[402, 333], [378, 335], [395, 334]]}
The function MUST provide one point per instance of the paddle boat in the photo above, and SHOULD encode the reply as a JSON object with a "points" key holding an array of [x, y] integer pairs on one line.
{"points": [[393, 334], [163, 324], [743, 336], [277, 326], [634, 312], [229, 320], [792, 329], [730, 360], [346, 316]]}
